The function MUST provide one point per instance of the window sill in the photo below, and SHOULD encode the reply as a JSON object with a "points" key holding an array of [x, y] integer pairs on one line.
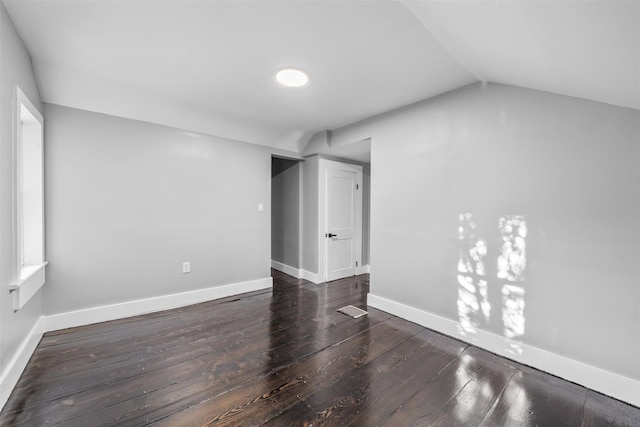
{"points": [[32, 277]]}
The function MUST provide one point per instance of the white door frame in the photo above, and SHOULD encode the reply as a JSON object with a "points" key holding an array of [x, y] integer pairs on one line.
{"points": [[323, 166]]}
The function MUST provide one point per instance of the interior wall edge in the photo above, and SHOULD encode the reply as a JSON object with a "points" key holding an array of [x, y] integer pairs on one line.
{"points": [[310, 276], [17, 72], [287, 269], [605, 382]]}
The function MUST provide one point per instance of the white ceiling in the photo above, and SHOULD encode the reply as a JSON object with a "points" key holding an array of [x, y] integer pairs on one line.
{"points": [[588, 49], [209, 66]]}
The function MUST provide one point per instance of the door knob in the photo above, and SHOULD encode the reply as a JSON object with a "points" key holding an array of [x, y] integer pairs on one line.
{"points": [[331, 235]]}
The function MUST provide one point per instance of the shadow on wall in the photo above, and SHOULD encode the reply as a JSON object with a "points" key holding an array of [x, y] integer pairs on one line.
{"points": [[474, 307]]}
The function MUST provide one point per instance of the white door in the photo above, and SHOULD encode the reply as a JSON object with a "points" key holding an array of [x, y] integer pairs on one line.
{"points": [[342, 214]]}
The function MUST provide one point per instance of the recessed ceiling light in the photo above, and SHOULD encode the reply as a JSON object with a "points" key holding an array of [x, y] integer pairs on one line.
{"points": [[292, 77]]}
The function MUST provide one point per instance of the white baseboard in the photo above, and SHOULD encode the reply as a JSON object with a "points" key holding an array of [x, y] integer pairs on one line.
{"points": [[609, 383], [149, 305], [363, 269], [312, 277], [298, 273], [19, 361], [287, 269]]}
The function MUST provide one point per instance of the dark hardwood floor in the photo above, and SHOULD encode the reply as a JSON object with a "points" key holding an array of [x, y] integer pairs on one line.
{"points": [[286, 357]]}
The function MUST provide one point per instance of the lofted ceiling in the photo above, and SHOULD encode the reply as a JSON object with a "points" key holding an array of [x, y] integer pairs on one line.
{"points": [[587, 49], [209, 66]]}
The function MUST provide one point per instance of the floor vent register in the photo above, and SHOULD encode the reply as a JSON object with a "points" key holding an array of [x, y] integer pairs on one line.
{"points": [[352, 311]]}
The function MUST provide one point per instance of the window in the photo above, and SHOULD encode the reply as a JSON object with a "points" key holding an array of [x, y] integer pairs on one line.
{"points": [[29, 199]]}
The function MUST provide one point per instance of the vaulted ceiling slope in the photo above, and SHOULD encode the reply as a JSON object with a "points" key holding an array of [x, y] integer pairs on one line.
{"points": [[209, 66], [587, 49]]}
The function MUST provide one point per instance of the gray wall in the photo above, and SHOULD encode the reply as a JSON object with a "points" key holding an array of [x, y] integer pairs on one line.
{"points": [[285, 211], [15, 69], [310, 170], [569, 166], [129, 201]]}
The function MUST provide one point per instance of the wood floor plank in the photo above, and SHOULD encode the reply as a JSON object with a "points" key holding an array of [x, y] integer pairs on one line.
{"points": [[201, 313], [276, 301], [439, 390], [535, 398], [285, 356], [600, 410], [236, 367], [288, 354], [300, 415], [356, 393], [214, 341], [250, 405], [435, 357], [109, 354], [80, 333], [479, 380], [212, 356]]}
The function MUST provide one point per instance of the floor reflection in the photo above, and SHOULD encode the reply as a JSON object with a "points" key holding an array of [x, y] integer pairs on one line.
{"points": [[299, 321], [293, 311], [474, 308], [519, 403]]}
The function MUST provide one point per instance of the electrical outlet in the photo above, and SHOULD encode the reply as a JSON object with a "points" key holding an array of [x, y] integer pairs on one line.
{"points": [[186, 267]]}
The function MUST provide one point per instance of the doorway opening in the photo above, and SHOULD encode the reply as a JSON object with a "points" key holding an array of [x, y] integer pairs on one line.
{"points": [[285, 215]]}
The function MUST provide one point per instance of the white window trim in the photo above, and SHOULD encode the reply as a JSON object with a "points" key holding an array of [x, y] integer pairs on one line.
{"points": [[29, 278]]}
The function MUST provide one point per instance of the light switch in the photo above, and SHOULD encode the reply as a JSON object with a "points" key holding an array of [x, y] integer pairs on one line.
{"points": [[260, 207]]}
